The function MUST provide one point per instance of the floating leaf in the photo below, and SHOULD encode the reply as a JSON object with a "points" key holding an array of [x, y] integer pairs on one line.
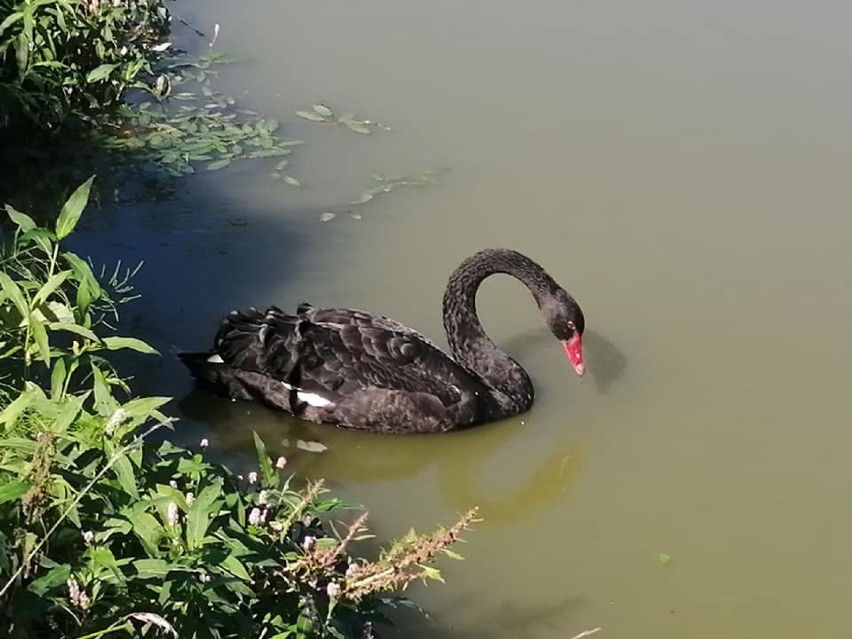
{"points": [[218, 164], [268, 153], [289, 179], [328, 216], [355, 215], [358, 127], [664, 559], [365, 197], [311, 447], [323, 110], [313, 116]]}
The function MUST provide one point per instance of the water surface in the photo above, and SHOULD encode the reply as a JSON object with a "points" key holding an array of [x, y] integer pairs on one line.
{"points": [[682, 169]]}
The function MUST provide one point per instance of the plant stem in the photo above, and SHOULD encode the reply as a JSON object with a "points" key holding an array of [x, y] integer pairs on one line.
{"points": [[126, 625]]}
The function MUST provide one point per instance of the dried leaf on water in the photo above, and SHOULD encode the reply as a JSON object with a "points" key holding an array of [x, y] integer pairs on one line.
{"points": [[328, 216]]}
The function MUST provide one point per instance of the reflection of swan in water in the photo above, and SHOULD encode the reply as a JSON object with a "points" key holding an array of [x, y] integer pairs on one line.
{"points": [[461, 458], [350, 457]]}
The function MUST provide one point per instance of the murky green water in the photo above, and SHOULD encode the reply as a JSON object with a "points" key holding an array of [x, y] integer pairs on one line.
{"points": [[682, 168]]}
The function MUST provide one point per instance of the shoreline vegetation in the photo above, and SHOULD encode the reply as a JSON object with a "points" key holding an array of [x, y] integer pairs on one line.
{"points": [[103, 533]]}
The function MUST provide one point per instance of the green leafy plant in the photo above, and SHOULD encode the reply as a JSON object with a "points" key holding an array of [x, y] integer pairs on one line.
{"points": [[104, 533], [67, 61]]}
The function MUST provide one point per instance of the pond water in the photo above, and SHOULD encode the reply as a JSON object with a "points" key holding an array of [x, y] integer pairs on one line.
{"points": [[682, 168]]}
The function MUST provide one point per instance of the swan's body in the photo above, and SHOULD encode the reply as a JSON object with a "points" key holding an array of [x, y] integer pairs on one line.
{"points": [[365, 371]]}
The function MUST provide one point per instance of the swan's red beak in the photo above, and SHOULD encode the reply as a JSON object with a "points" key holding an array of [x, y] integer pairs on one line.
{"points": [[574, 350]]}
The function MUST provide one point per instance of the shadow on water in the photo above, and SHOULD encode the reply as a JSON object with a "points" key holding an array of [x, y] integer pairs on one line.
{"points": [[605, 361], [507, 619], [346, 458], [202, 255]]}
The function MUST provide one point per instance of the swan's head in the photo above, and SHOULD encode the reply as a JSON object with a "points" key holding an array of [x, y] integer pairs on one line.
{"points": [[565, 320]]}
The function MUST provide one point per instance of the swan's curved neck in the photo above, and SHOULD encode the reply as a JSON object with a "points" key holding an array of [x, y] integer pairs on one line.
{"points": [[511, 386]]}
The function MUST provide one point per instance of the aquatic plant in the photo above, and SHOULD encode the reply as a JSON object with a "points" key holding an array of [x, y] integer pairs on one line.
{"points": [[105, 533], [66, 62]]}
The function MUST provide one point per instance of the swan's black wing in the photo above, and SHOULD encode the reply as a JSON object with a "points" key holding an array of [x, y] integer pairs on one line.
{"points": [[357, 317], [350, 367]]}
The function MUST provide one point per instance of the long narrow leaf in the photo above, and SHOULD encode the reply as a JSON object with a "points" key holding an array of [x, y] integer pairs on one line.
{"points": [[40, 337], [15, 294], [148, 530], [153, 568], [267, 471], [123, 470], [198, 517], [73, 208], [134, 344], [13, 490], [57, 378], [82, 331], [21, 403], [100, 73], [50, 286], [22, 220], [13, 18], [83, 272]]}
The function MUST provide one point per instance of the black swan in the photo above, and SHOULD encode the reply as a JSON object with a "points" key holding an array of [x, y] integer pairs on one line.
{"points": [[364, 371]]}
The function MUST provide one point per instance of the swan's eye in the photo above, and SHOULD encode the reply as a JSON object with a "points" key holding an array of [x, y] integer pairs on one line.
{"points": [[572, 326]]}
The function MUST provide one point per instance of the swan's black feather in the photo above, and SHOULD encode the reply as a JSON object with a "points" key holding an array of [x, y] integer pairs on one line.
{"points": [[366, 371], [340, 354]]}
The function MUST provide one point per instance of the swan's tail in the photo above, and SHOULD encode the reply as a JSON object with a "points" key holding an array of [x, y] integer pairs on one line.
{"points": [[253, 352], [212, 373], [205, 367]]}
